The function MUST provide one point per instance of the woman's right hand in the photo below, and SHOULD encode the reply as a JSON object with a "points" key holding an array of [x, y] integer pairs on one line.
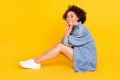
{"points": [[67, 26], [70, 26], [67, 32]]}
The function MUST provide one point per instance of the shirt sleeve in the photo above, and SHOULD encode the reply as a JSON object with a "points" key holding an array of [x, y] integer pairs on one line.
{"points": [[82, 38], [65, 42], [77, 41]]}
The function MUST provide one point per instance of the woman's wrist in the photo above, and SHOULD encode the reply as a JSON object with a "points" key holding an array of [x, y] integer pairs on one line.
{"points": [[67, 33]]}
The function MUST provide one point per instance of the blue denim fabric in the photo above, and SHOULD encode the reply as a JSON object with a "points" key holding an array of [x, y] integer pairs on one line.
{"points": [[84, 49]]}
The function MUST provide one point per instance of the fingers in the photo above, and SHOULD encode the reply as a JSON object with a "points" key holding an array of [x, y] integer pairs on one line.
{"points": [[66, 23], [72, 24], [67, 26]]}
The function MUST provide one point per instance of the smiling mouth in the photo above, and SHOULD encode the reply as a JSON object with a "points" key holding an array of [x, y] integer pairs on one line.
{"points": [[70, 21]]}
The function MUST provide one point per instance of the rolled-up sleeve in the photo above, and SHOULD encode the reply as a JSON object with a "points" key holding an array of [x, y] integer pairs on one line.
{"points": [[81, 38], [65, 42], [77, 41]]}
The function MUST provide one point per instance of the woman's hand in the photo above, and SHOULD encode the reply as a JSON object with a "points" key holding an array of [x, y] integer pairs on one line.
{"points": [[67, 26], [72, 25], [67, 32], [69, 29]]}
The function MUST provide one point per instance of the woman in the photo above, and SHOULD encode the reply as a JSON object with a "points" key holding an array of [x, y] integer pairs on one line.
{"points": [[77, 44]]}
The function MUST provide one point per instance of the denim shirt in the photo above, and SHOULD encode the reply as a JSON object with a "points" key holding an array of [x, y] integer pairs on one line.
{"points": [[84, 50]]}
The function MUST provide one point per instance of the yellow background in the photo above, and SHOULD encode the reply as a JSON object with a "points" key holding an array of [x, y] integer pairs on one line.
{"points": [[30, 27]]}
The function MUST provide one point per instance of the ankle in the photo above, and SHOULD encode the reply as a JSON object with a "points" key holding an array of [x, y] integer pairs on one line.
{"points": [[37, 62]]}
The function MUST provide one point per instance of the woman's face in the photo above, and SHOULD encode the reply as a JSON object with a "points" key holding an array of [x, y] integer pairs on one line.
{"points": [[72, 19]]}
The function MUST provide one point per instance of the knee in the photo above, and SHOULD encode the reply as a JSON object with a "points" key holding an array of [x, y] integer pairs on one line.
{"points": [[60, 45]]}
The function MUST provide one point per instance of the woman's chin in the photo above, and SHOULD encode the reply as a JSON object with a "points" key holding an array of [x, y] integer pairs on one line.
{"points": [[70, 24]]}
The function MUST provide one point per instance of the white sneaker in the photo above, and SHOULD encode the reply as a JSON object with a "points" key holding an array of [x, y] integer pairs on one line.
{"points": [[29, 64]]}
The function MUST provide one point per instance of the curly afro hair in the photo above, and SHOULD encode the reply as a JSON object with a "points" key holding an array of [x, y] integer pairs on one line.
{"points": [[81, 14]]}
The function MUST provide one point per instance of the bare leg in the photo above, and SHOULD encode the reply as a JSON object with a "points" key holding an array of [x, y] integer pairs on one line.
{"points": [[53, 52]]}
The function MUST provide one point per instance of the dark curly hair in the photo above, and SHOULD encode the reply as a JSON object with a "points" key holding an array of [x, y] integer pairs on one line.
{"points": [[81, 14]]}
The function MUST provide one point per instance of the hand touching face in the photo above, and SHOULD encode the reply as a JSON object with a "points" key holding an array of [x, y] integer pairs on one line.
{"points": [[71, 19]]}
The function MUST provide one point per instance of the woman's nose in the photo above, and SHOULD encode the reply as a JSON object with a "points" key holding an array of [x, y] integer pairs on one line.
{"points": [[69, 18]]}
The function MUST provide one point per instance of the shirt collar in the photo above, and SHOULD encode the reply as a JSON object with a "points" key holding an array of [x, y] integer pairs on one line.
{"points": [[79, 23]]}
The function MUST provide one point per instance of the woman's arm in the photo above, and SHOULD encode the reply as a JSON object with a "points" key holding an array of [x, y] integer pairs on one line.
{"points": [[67, 33]]}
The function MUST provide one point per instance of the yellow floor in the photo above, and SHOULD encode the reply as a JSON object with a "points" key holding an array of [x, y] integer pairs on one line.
{"points": [[28, 28], [59, 68]]}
